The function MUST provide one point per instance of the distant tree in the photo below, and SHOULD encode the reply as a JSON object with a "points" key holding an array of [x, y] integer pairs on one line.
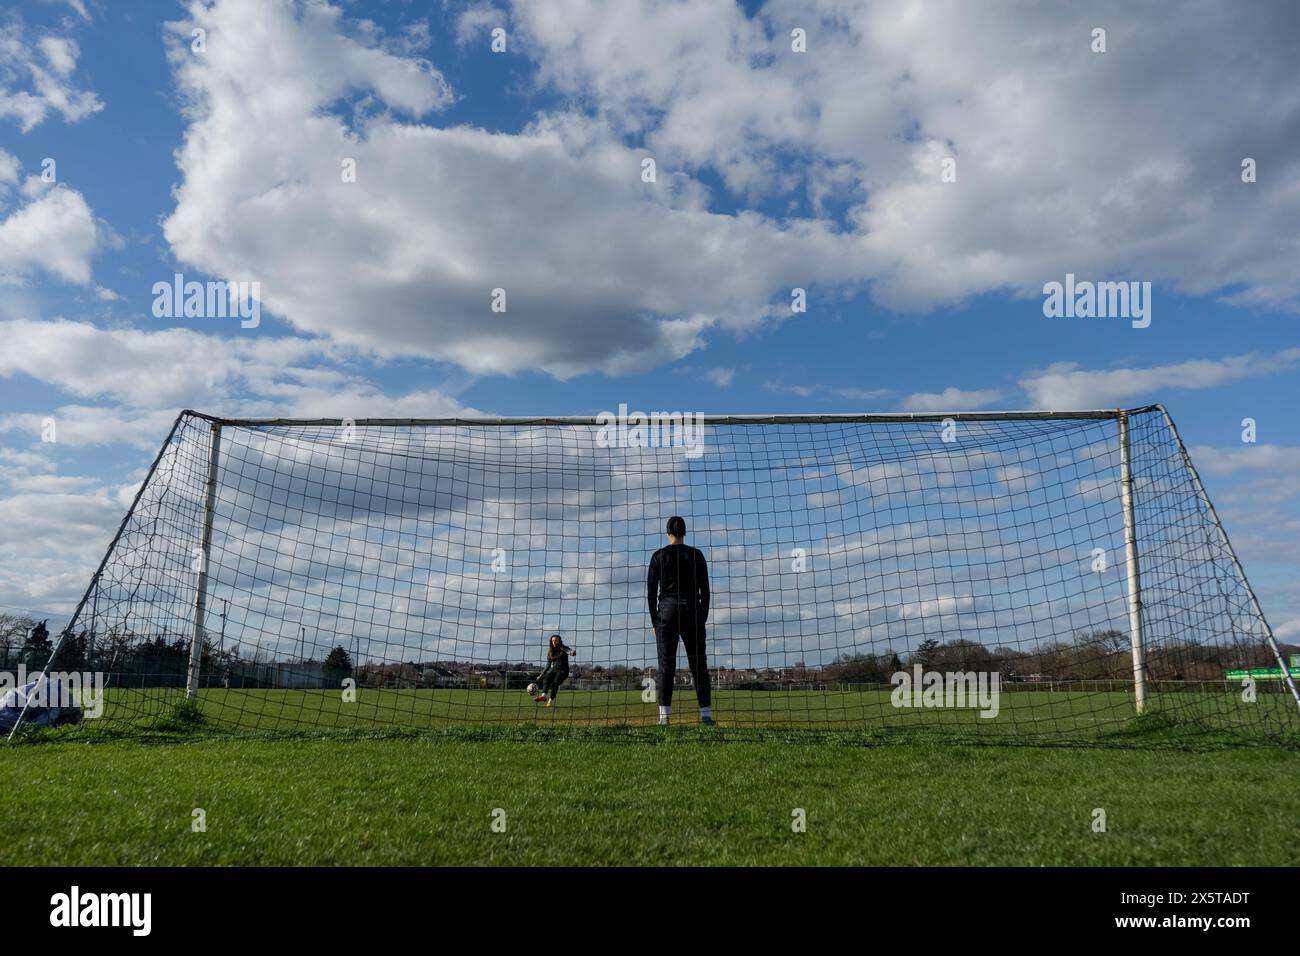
{"points": [[38, 647], [338, 667], [925, 653], [119, 648], [962, 655], [13, 633], [859, 669], [72, 655], [1100, 655]]}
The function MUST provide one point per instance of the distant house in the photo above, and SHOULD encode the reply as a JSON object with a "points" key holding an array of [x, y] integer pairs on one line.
{"points": [[437, 676], [298, 675]]}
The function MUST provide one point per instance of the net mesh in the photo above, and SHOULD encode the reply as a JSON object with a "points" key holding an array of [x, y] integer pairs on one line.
{"points": [[871, 572]]}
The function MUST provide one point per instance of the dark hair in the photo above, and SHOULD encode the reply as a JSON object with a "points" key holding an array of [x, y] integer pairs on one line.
{"points": [[677, 526], [553, 638]]}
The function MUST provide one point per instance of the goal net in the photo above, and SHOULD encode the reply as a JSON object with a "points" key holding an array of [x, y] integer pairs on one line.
{"points": [[983, 573]]}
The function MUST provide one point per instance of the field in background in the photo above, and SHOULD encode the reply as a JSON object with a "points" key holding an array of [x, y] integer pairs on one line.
{"points": [[675, 796]]}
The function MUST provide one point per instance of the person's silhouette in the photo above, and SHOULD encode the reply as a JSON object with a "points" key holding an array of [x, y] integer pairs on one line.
{"points": [[677, 589]]}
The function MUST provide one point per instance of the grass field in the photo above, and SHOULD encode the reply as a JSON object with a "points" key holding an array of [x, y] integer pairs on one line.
{"points": [[670, 797], [289, 777], [1064, 714]]}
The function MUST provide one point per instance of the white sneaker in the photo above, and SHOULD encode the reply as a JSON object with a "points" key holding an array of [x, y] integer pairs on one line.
{"points": [[663, 721]]}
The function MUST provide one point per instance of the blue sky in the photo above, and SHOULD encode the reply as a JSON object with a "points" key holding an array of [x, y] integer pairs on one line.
{"points": [[521, 169]]}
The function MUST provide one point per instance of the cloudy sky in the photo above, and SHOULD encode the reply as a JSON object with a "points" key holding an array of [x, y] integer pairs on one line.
{"points": [[218, 140]]}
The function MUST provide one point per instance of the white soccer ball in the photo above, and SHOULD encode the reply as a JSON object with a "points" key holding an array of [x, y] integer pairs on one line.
{"points": [[532, 690]]}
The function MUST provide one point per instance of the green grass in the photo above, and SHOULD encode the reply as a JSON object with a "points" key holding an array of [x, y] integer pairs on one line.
{"points": [[413, 777], [1064, 714], [661, 797]]}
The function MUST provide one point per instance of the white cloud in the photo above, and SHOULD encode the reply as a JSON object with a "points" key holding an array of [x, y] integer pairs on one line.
{"points": [[1255, 488], [821, 390], [604, 272], [150, 375], [36, 77], [477, 21], [721, 377], [56, 524], [55, 532], [950, 400], [167, 368], [945, 605], [1064, 385], [802, 391], [1266, 475], [600, 270], [55, 233], [60, 53], [10, 168], [80, 426], [887, 91], [20, 462], [1248, 458], [860, 394], [78, 6], [1288, 630]]}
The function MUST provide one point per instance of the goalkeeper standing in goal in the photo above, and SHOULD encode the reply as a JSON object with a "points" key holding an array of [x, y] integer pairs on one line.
{"points": [[677, 588], [556, 672]]}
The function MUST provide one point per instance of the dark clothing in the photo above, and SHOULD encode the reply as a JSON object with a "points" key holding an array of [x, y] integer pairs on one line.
{"points": [[678, 576], [551, 679], [677, 590], [557, 670], [687, 624], [559, 655]]}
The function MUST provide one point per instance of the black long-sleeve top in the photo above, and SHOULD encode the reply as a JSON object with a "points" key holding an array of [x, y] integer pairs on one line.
{"points": [[558, 657], [678, 576]]}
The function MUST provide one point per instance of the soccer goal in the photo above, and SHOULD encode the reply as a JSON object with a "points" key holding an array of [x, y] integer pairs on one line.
{"points": [[1017, 573]]}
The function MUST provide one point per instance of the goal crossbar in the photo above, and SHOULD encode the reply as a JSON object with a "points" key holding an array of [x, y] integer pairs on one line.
{"points": [[707, 419]]}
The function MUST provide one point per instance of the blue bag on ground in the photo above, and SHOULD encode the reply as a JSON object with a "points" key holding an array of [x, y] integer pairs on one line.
{"points": [[50, 708]]}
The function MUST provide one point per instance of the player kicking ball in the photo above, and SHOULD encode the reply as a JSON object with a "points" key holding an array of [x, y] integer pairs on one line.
{"points": [[556, 673]]}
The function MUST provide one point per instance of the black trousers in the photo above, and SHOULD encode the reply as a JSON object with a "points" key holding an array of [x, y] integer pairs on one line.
{"points": [[684, 624], [551, 679]]}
